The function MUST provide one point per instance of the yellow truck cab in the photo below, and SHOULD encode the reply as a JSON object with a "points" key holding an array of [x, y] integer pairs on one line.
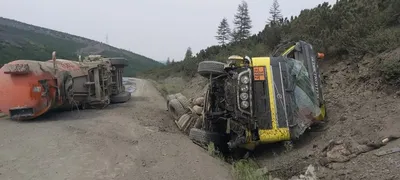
{"points": [[261, 99]]}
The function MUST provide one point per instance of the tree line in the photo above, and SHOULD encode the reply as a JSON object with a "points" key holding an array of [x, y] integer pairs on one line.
{"points": [[188, 55], [346, 29], [242, 27], [243, 24]]}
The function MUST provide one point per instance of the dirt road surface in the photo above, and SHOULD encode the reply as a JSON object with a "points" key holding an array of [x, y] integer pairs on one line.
{"points": [[133, 140]]}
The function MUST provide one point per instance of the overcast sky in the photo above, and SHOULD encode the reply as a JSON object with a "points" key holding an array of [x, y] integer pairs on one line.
{"points": [[155, 28]]}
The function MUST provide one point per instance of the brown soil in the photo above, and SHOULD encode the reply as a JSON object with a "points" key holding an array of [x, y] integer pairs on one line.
{"points": [[196, 87], [133, 140]]}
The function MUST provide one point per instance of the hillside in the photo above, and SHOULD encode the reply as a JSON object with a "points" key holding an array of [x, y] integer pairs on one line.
{"points": [[24, 41], [347, 29]]}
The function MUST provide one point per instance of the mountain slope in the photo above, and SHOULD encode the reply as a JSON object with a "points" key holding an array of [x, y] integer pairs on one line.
{"points": [[24, 41]]}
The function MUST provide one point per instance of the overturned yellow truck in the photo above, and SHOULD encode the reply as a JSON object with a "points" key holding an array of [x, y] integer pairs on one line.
{"points": [[261, 99]]}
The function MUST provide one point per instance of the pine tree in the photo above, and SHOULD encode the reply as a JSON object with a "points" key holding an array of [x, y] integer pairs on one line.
{"points": [[224, 32], [188, 54], [235, 36], [276, 14], [168, 61], [242, 23]]}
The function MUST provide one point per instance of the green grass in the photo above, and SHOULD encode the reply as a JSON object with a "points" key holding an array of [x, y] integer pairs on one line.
{"points": [[246, 169], [212, 151], [391, 70]]}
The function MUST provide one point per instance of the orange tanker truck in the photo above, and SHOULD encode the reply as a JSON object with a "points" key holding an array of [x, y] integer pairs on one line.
{"points": [[30, 88]]}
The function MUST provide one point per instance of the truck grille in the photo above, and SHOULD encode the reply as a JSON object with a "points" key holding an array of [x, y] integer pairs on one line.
{"points": [[261, 94], [261, 108]]}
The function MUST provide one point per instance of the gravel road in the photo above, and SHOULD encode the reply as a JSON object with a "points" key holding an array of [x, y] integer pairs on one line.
{"points": [[133, 140]]}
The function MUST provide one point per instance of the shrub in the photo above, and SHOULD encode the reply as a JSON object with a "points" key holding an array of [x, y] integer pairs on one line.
{"points": [[391, 70]]}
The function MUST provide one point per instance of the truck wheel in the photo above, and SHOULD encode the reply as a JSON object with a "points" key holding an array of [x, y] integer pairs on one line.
{"points": [[183, 100], [207, 68], [68, 88], [199, 101], [119, 62], [204, 137], [183, 122], [199, 122], [170, 97], [198, 110], [176, 108], [121, 97]]}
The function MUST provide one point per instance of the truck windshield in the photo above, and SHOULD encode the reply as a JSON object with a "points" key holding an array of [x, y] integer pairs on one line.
{"points": [[305, 105]]}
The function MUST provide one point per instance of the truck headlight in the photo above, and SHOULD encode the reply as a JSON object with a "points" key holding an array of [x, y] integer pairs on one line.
{"points": [[244, 96], [244, 79], [244, 88], [244, 104]]}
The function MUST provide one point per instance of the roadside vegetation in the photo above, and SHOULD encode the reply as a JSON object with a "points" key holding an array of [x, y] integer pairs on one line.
{"points": [[247, 169], [347, 29]]}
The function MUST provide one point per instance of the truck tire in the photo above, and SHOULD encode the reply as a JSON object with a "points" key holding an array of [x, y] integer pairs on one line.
{"points": [[121, 97], [170, 97], [199, 101], [175, 108], [198, 110], [183, 100], [204, 137], [119, 62], [183, 122], [207, 68], [199, 122], [68, 88]]}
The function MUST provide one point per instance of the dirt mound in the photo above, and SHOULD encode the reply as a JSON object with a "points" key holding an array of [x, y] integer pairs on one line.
{"points": [[196, 87]]}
